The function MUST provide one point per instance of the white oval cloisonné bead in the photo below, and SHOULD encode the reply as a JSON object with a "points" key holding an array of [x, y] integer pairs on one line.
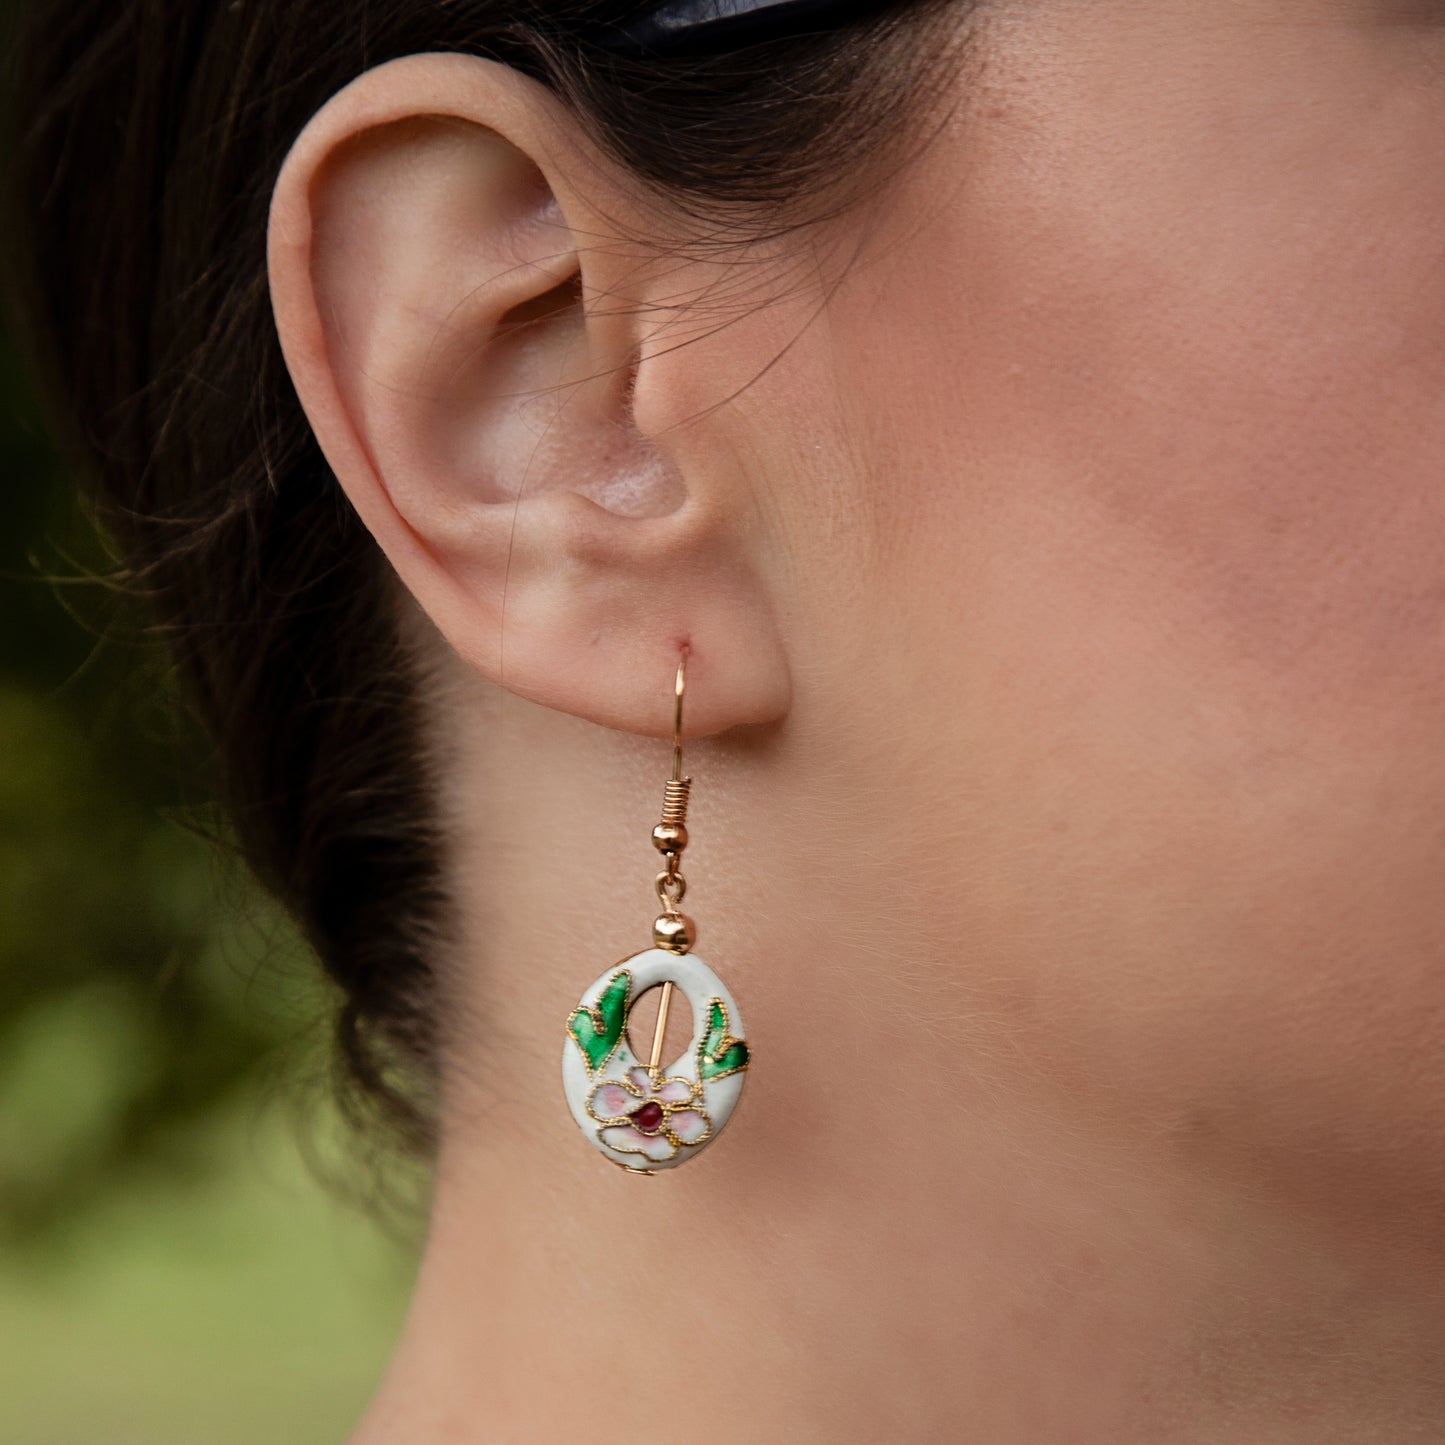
{"points": [[640, 1122]]}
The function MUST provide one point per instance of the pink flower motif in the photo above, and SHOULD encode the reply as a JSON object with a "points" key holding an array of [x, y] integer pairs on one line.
{"points": [[654, 1120]]}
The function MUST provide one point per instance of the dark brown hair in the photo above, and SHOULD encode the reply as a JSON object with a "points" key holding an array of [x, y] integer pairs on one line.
{"points": [[150, 133]]}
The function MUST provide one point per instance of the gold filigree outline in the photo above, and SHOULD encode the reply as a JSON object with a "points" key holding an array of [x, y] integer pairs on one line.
{"points": [[594, 1012], [661, 1134], [677, 1138], [693, 1104], [728, 1041], [602, 1084]]}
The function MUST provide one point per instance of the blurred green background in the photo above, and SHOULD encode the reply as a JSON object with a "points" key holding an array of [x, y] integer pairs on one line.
{"points": [[172, 1267]]}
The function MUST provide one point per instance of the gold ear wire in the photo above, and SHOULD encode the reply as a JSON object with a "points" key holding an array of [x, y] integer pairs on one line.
{"points": [[679, 688], [673, 930], [670, 835]]}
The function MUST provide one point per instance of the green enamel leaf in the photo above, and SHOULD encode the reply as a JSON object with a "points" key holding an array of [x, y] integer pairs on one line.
{"points": [[598, 1030], [720, 1053]]}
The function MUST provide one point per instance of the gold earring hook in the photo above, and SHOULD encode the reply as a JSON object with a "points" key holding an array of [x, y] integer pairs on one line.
{"points": [[670, 838], [681, 687]]}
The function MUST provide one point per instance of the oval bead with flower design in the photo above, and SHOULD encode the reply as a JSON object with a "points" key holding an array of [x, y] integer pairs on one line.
{"points": [[638, 1120]]}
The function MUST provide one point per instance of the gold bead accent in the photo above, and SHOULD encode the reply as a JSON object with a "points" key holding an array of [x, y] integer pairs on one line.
{"points": [[675, 932], [669, 837]]}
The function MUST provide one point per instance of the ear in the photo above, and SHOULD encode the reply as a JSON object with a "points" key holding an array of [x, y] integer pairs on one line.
{"points": [[469, 375]]}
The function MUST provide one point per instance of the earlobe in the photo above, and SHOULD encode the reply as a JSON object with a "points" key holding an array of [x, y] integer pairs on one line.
{"points": [[432, 300]]}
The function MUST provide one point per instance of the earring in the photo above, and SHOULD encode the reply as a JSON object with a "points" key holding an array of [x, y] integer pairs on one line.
{"points": [[641, 1116]]}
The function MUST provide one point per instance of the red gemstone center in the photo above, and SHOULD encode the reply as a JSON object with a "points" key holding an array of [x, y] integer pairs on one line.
{"points": [[649, 1117]]}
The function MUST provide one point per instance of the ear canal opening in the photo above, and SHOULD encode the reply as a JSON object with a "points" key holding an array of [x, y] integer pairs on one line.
{"points": [[548, 306]]}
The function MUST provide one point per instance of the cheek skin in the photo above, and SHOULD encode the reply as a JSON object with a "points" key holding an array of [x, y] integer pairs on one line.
{"points": [[1204, 328], [1165, 439]]}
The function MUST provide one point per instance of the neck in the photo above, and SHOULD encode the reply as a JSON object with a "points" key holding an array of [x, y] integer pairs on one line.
{"points": [[917, 1234], [1035, 1288]]}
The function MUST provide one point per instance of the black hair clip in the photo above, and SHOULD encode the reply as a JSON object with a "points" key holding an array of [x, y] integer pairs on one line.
{"points": [[711, 26]]}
